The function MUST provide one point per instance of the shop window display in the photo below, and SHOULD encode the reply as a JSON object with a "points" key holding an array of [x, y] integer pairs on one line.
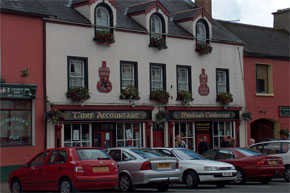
{"points": [[128, 135], [77, 135], [185, 130], [221, 129]]}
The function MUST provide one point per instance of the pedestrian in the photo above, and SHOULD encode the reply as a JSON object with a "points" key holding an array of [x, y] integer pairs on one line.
{"points": [[252, 141], [203, 145], [180, 143], [225, 142]]}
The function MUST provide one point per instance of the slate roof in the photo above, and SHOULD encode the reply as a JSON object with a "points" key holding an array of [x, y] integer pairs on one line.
{"points": [[261, 41], [59, 10], [185, 15], [140, 7]]}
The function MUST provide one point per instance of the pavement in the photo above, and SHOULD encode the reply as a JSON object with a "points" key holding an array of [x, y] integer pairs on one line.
{"points": [[4, 187]]}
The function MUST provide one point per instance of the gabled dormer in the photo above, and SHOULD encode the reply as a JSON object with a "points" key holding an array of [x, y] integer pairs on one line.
{"points": [[199, 23], [103, 15], [153, 16]]}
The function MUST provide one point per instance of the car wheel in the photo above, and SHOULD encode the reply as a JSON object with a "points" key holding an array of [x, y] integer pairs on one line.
{"points": [[265, 180], [240, 178], [286, 174], [162, 187], [16, 186], [220, 184], [125, 184], [191, 179], [66, 186]]}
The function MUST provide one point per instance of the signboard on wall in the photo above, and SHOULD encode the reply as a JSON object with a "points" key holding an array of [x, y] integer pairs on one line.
{"points": [[284, 111], [203, 115], [21, 91], [105, 115]]}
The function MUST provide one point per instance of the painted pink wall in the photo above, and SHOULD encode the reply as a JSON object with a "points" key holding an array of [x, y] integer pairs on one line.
{"points": [[281, 90], [22, 47]]}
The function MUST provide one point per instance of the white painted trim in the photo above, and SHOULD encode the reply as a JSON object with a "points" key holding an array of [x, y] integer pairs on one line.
{"points": [[166, 134], [151, 136], [194, 135], [33, 123], [144, 134]]}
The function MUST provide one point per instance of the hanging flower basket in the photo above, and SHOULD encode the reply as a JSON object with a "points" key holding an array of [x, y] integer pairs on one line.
{"points": [[161, 96], [161, 116], [224, 98], [104, 37], [54, 115], [158, 42], [79, 94], [246, 116], [130, 93], [185, 96], [203, 49]]}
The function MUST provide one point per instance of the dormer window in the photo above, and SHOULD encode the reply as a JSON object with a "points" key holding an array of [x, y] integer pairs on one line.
{"points": [[200, 33], [104, 24], [157, 29], [202, 37], [102, 18]]}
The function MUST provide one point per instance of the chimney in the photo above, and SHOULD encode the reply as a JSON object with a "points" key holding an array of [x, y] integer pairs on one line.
{"points": [[204, 3], [282, 19]]}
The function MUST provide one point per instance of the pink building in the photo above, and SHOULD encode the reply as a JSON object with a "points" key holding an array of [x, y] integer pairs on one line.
{"points": [[266, 75], [22, 92]]}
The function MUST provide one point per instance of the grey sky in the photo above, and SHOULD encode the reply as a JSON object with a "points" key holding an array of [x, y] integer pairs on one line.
{"points": [[256, 12]]}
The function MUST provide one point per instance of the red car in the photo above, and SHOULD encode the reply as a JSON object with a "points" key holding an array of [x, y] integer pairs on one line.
{"points": [[66, 170], [248, 163]]}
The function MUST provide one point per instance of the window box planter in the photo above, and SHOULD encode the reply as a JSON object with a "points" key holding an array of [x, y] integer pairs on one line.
{"points": [[79, 94], [130, 93], [203, 49], [161, 96], [224, 98], [158, 42], [104, 37], [185, 96], [54, 115]]}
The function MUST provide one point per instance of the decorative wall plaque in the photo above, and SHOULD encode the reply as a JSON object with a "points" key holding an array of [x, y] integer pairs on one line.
{"points": [[104, 84], [203, 89]]}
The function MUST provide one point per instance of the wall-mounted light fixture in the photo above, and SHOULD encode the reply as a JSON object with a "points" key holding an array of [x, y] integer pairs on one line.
{"points": [[24, 73]]}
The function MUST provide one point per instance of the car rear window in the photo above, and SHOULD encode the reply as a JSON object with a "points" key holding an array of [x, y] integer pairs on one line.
{"points": [[146, 154], [92, 154], [248, 152]]}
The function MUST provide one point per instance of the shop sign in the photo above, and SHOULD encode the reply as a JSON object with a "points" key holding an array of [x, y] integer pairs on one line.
{"points": [[284, 111], [104, 85], [203, 115], [203, 89], [106, 115], [17, 91]]}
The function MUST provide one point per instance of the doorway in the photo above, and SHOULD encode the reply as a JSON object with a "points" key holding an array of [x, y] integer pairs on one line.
{"points": [[158, 135], [102, 139]]}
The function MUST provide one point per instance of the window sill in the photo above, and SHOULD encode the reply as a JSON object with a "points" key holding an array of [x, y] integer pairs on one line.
{"points": [[178, 99], [265, 95], [123, 98], [155, 46]]}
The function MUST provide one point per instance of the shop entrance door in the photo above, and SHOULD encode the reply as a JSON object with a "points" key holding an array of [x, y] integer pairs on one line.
{"points": [[158, 135], [102, 139]]}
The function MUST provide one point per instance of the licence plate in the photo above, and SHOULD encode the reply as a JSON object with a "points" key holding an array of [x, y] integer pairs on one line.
{"points": [[101, 169], [272, 162], [227, 174], [164, 165]]}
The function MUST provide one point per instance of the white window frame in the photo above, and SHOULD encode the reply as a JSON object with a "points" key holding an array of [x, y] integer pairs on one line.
{"points": [[221, 84], [186, 82], [78, 76], [132, 74], [158, 81], [189, 127], [156, 25], [103, 12], [79, 141], [125, 139], [220, 135]]}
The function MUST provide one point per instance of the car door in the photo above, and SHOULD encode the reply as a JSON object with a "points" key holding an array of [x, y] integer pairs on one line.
{"points": [[56, 168], [210, 154], [34, 175]]}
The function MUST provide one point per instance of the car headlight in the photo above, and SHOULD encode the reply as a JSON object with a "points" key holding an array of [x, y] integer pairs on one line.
{"points": [[209, 168], [233, 168]]}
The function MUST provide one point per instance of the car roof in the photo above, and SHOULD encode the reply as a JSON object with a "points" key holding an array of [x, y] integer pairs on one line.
{"points": [[272, 141]]}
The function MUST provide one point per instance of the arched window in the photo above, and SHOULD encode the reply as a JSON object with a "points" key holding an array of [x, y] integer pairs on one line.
{"points": [[201, 32], [156, 25], [102, 18]]}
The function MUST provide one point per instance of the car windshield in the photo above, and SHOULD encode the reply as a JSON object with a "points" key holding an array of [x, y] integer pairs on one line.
{"points": [[146, 153], [248, 152], [92, 154], [186, 154]]}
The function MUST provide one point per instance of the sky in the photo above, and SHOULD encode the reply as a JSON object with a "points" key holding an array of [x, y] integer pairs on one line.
{"points": [[255, 12]]}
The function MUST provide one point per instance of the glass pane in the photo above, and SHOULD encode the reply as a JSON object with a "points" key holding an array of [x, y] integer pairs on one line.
{"points": [[183, 129], [67, 132], [177, 129], [6, 104], [128, 131], [201, 33], [120, 131], [136, 131], [189, 130], [85, 132]]}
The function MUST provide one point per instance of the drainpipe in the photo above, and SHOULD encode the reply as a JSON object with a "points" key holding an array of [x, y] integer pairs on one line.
{"points": [[44, 83]]}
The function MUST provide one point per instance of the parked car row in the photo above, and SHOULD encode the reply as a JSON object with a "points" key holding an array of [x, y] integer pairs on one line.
{"points": [[82, 168]]}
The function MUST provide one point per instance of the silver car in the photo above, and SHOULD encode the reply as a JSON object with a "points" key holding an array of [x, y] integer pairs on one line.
{"points": [[138, 166], [196, 169]]}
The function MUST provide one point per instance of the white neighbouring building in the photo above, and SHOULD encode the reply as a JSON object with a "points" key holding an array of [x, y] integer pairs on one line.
{"points": [[74, 58]]}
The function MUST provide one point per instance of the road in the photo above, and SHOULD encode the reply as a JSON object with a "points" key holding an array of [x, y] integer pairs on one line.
{"points": [[276, 186]]}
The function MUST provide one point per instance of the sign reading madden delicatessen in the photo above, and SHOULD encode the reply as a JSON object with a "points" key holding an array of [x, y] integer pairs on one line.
{"points": [[198, 115], [105, 115]]}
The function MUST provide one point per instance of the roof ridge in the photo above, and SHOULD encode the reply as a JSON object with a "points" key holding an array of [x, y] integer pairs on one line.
{"points": [[180, 12], [143, 3], [245, 24]]}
